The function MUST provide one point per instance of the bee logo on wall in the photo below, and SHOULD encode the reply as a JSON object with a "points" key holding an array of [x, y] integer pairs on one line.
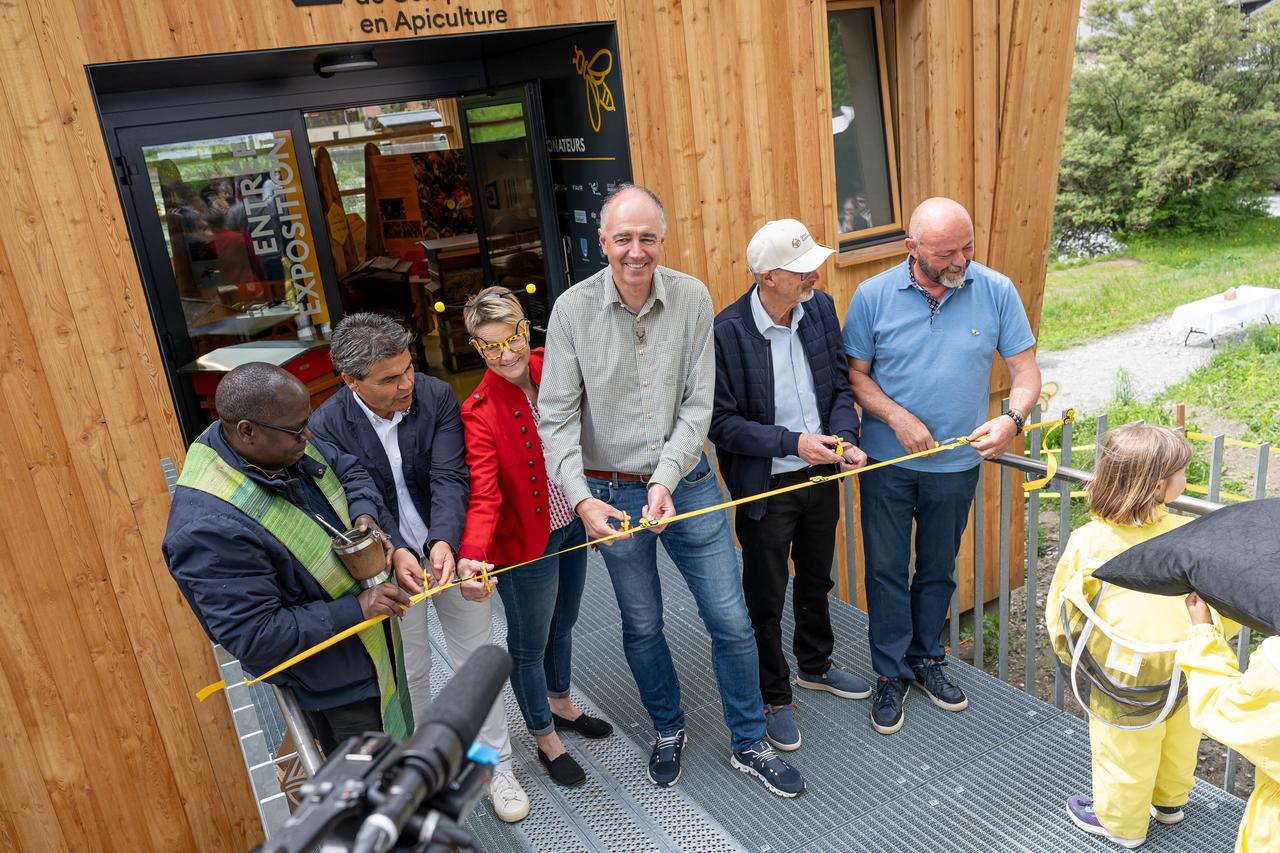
{"points": [[593, 73]]}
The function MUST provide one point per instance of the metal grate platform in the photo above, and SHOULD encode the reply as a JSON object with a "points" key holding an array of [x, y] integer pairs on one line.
{"points": [[993, 778]]}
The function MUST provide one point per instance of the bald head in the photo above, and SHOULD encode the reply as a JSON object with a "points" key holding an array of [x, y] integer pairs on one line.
{"points": [[255, 392], [938, 214], [264, 412], [638, 199], [631, 231], [940, 239]]}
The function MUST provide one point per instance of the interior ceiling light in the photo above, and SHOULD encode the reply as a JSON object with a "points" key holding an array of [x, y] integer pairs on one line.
{"points": [[330, 64]]}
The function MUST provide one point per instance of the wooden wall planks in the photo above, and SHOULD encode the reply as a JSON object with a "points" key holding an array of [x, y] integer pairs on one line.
{"points": [[728, 115]]}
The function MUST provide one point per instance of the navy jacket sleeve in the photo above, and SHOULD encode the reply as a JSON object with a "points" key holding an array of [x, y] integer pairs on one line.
{"points": [[450, 481], [844, 417], [363, 497], [730, 429], [228, 576]]}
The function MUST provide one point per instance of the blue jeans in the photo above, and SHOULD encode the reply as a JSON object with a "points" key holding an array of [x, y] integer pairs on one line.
{"points": [[702, 549], [906, 616], [541, 603]]}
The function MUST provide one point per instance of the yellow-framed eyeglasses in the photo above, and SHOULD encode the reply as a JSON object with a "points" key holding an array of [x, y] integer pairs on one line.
{"points": [[517, 343]]}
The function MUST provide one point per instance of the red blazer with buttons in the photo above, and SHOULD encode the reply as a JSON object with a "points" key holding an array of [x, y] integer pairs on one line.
{"points": [[507, 517]]}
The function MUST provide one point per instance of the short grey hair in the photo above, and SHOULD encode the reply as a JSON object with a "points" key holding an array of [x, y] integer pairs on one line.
{"points": [[252, 392], [622, 188], [362, 340]]}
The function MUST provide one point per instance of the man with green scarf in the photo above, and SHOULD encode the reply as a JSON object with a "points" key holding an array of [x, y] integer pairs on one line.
{"points": [[247, 547]]}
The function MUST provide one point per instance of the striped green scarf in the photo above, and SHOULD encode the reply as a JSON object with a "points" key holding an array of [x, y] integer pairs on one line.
{"points": [[310, 545]]}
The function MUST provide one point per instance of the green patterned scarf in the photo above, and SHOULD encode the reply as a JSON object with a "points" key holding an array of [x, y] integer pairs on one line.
{"points": [[310, 545]]}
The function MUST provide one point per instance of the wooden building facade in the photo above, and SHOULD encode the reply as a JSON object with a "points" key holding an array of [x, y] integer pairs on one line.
{"points": [[728, 115]]}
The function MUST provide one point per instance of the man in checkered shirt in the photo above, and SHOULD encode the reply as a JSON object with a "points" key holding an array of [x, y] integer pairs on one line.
{"points": [[626, 401]]}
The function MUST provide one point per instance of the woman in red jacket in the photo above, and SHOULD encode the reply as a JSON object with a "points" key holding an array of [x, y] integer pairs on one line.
{"points": [[516, 514]]}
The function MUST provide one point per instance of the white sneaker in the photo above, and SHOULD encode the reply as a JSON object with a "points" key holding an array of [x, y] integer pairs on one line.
{"points": [[510, 802]]}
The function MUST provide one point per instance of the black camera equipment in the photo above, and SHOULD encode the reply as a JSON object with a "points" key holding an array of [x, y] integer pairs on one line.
{"points": [[372, 794]]}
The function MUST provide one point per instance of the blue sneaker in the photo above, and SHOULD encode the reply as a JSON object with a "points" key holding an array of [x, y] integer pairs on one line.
{"points": [[760, 761], [664, 761], [887, 711], [1080, 810], [780, 727], [935, 684], [838, 681]]}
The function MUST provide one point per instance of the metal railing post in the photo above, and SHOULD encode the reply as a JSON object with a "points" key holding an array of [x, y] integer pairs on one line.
{"points": [[953, 623], [1006, 532], [1064, 531], [1216, 452], [1032, 566], [979, 570], [850, 552], [1099, 438]]}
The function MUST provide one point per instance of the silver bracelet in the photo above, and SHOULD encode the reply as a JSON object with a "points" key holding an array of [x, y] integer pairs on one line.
{"points": [[381, 577]]}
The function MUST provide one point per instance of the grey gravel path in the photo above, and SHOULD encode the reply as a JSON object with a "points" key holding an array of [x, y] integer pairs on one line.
{"points": [[1153, 356]]}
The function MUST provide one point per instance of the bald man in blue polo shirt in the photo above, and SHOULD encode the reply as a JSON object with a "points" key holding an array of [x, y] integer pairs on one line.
{"points": [[921, 338]]}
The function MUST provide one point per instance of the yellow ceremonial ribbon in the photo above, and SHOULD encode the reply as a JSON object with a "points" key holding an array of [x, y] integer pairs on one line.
{"points": [[959, 441], [1050, 461], [1235, 442]]}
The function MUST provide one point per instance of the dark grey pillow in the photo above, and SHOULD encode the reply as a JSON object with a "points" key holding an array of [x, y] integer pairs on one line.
{"points": [[1230, 557]]}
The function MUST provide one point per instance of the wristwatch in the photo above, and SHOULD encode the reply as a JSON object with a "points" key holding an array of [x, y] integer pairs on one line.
{"points": [[1018, 418]]}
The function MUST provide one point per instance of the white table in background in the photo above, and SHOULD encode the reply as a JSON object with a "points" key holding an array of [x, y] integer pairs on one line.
{"points": [[1210, 315]]}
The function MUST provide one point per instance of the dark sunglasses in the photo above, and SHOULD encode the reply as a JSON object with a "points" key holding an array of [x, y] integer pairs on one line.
{"points": [[296, 433]]}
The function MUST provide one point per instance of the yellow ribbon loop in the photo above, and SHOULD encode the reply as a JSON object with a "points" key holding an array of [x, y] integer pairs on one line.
{"points": [[487, 571], [1051, 462]]}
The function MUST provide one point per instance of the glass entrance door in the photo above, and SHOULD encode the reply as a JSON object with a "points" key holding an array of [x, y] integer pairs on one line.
{"points": [[511, 175], [227, 215]]}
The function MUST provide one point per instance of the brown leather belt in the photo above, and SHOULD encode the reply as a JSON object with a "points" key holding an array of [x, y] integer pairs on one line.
{"points": [[617, 475]]}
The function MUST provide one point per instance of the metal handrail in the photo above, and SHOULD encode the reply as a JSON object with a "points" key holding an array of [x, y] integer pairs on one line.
{"points": [[304, 739], [1195, 506]]}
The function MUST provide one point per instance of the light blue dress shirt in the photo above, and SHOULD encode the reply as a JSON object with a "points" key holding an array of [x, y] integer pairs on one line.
{"points": [[795, 405]]}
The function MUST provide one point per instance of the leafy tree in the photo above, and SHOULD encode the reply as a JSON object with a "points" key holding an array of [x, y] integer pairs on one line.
{"points": [[1173, 118]]}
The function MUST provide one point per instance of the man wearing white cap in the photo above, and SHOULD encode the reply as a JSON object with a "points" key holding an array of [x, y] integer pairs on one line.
{"points": [[784, 413]]}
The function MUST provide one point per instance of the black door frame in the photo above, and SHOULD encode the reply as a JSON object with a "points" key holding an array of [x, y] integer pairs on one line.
{"points": [[529, 96], [147, 229], [139, 117]]}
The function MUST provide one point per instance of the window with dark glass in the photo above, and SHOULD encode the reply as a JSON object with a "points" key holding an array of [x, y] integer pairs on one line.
{"points": [[868, 210]]}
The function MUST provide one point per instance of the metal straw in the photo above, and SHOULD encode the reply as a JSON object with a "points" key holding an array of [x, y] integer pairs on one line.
{"points": [[336, 531]]}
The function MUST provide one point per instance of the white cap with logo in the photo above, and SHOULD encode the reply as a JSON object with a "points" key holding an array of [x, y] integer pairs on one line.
{"points": [[785, 244]]}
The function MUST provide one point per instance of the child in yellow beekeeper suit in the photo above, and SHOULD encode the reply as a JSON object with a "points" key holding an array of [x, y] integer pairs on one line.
{"points": [[1241, 711], [1140, 771]]}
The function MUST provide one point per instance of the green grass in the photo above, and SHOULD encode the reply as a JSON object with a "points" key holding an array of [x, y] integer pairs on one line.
{"points": [[1153, 276], [1241, 382]]}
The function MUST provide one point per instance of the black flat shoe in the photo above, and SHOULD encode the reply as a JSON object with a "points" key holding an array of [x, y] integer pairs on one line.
{"points": [[563, 770], [586, 725]]}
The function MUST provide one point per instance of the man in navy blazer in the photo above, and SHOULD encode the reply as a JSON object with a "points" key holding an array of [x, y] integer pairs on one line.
{"points": [[406, 429], [783, 408]]}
